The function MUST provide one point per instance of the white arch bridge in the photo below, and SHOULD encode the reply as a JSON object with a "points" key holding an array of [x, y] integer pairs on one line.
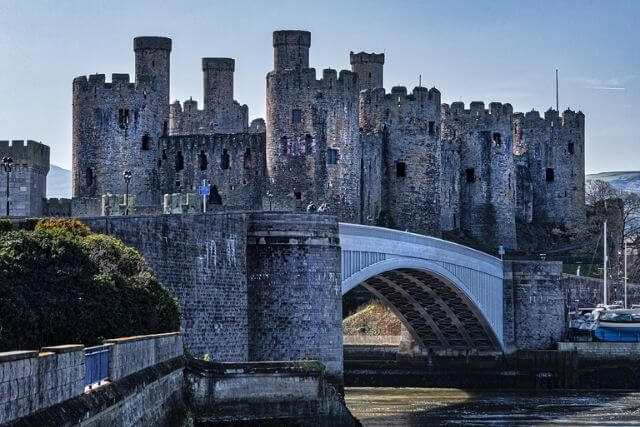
{"points": [[448, 296]]}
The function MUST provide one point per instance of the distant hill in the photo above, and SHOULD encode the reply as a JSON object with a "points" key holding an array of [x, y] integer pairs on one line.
{"points": [[627, 181], [59, 182]]}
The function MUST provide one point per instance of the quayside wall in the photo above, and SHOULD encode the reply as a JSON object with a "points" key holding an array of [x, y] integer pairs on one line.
{"points": [[140, 384]]}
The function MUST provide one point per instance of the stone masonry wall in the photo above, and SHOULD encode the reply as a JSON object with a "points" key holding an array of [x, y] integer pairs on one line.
{"points": [[200, 259], [48, 387], [487, 170], [588, 291], [409, 129], [294, 290], [28, 179], [233, 165], [132, 354], [535, 315], [30, 381]]}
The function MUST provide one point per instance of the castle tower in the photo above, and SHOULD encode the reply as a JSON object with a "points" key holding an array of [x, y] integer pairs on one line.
{"points": [[117, 125], [27, 180], [368, 67], [484, 140], [312, 145], [406, 130], [218, 82], [291, 50], [553, 147]]}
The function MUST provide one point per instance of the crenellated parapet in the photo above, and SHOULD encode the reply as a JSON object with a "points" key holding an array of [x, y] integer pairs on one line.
{"points": [[27, 179], [369, 68], [420, 109], [187, 119]]}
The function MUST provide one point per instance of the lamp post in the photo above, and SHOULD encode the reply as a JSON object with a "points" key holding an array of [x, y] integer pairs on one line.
{"points": [[7, 164], [270, 196], [127, 177]]}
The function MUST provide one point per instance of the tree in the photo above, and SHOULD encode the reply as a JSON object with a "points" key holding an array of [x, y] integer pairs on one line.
{"points": [[600, 191], [63, 284]]}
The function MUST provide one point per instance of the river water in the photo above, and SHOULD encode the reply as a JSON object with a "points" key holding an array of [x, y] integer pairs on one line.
{"points": [[385, 406]]}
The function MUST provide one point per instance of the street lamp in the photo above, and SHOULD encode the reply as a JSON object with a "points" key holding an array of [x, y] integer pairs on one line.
{"points": [[127, 177], [7, 164], [270, 196]]}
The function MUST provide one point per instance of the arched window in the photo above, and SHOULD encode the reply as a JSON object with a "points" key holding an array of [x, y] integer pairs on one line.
{"points": [[179, 161], [224, 159], [214, 196], [248, 161], [203, 161], [88, 177], [146, 141]]}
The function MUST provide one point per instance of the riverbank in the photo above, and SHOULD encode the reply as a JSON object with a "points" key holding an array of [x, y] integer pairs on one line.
{"points": [[384, 366]]}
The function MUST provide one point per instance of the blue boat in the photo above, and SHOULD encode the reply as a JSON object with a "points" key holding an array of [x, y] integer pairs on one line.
{"points": [[618, 326]]}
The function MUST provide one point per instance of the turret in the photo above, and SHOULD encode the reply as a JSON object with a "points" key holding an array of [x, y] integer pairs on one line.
{"points": [[152, 63], [368, 67], [291, 50], [217, 81]]}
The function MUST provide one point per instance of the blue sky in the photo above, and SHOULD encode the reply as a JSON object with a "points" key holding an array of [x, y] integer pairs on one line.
{"points": [[490, 50]]}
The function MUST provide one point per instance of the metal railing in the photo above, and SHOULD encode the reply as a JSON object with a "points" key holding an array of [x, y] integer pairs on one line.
{"points": [[96, 362]]}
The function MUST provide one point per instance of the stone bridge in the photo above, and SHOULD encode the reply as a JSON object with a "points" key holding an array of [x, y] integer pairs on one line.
{"points": [[448, 296]]}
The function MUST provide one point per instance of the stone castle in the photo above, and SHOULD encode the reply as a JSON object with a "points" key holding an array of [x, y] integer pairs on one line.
{"points": [[397, 159]]}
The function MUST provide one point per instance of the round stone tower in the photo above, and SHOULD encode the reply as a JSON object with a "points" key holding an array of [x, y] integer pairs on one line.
{"points": [[368, 67], [117, 125], [218, 82], [294, 289], [291, 50]]}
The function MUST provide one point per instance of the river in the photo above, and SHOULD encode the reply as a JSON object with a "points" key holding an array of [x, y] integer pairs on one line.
{"points": [[385, 406]]}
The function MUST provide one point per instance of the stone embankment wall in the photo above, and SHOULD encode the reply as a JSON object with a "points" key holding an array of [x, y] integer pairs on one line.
{"points": [[273, 393], [535, 315], [144, 384]]}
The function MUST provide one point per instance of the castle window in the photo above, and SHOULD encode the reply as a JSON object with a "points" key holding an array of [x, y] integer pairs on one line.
{"points": [[471, 175], [248, 161], [571, 148], [179, 161], [497, 138], [164, 128], [146, 141], [123, 117], [332, 156], [177, 184], [224, 159], [214, 196], [88, 177], [203, 161], [550, 175], [401, 169], [297, 195], [432, 127], [308, 143], [285, 144], [369, 75], [296, 116]]}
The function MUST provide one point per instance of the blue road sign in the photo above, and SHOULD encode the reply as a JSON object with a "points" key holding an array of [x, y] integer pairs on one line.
{"points": [[204, 190]]}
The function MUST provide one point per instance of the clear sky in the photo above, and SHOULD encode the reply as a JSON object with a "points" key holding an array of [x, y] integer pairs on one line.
{"points": [[488, 50]]}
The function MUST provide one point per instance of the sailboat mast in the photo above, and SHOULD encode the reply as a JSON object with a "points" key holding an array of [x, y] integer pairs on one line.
{"points": [[605, 262]]}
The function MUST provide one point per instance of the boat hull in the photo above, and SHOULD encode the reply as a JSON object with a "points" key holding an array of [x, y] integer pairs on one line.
{"points": [[617, 332]]}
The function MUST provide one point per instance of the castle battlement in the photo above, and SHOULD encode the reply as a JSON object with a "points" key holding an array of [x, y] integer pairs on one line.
{"points": [[379, 108], [366, 58], [343, 83], [97, 82], [552, 119], [497, 113], [28, 152], [230, 140]]}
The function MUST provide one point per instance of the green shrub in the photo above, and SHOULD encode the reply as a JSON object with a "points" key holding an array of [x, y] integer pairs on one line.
{"points": [[5, 225], [61, 284]]}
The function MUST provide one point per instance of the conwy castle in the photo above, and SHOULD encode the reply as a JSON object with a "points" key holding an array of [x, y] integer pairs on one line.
{"points": [[341, 144]]}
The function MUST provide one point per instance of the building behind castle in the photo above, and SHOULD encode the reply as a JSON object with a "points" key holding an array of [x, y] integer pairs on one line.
{"points": [[398, 159]]}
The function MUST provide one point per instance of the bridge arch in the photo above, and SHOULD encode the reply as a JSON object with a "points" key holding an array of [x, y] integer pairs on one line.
{"points": [[448, 296]]}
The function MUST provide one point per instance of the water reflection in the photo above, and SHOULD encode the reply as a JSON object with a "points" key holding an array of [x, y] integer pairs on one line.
{"points": [[381, 406]]}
